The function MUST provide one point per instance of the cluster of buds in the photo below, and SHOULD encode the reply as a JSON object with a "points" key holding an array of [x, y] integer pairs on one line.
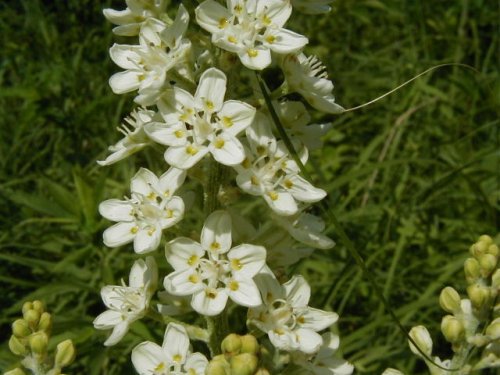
{"points": [[472, 324], [30, 339], [241, 355]]}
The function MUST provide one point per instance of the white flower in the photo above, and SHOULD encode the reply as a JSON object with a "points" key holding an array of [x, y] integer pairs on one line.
{"points": [[135, 138], [268, 171], [326, 361], [308, 77], [212, 271], [161, 48], [127, 304], [151, 208], [295, 118], [251, 29], [173, 357], [312, 6], [129, 21], [196, 126], [285, 316]]}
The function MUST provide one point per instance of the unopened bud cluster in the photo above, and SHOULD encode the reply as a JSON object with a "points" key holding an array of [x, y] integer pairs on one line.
{"points": [[472, 324], [241, 356], [30, 339]]}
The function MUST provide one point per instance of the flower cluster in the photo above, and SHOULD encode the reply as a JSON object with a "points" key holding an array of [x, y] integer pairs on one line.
{"points": [[185, 81]]}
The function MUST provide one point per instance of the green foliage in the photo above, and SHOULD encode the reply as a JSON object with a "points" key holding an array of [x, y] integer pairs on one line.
{"points": [[412, 178]]}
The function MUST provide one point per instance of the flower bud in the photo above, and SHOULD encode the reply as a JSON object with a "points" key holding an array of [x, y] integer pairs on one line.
{"points": [[45, 323], [27, 306], [65, 353], [449, 300], [244, 364], [32, 317], [493, 250], [38, 306], [38, 342], [472, 270], [493, 330], [249, 344], [262, 371], [421, 336], [231, 344], [495, 279], [20, 328], [478, 295], [452, 328], [16, 371], [486, 239], [218, 366], [488, 263], [16, 346]]}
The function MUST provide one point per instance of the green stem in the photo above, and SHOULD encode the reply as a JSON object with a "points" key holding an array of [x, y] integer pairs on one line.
{"points": [[217, 326], [194, 332]]}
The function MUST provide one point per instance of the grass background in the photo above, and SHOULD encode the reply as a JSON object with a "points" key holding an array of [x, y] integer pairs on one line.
{"points": [[413, 178]]}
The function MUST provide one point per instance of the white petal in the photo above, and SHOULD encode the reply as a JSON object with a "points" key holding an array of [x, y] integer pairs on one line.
{"points": [[298, 291], [211, 90], [283, 339], [183, 253], [116, 210], [108, 319], [269, 287], [227, 150], [143, 181], [302, 190], [209, 301], [112, 296], [196, 362], [184, 157], [284, 41], [121, 154], [125, 56], [146, 357], [147, 240], [118, 17], [171, 180], [119, 234], [277, 10], [126, 81], [236, 116], [183, 282], [322, 103], [247, 259], [137, 274], [316, 319], [309, 341], [216, 232], [281, 202], [244, 292], [174, 33], [256, 58], [169, 135], [176, 343], [173, 212], [210, 16], [117, 334]]}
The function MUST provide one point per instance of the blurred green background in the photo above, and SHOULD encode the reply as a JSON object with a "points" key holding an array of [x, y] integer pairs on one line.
{"points": [[414, 178]]}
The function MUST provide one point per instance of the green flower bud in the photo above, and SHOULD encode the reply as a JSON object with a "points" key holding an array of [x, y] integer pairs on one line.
{"points": [[65, 353], [38, 342], [45, 323], [16, 371], [20, 328], [244, 364], [218, 366], [488, 263], [452, 328], [27, 306], [231, 344], [262, 371], [493, 330], [449, 300], [421, 336], [486, 239], [38, 306], [493, 250], [495, 279], [472, 270], [32, 317], [478, 295], [249, 344], [16, 346]]}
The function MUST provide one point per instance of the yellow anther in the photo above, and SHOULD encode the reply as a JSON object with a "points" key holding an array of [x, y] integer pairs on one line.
{"points": [[179, 133], [266, 20], [234, 285], [219, 143], [288, 184], [252, 52], [236, 264], [270, 39], [169, 213], [177, 358], [210, 105], [254, 180], [232, 39], [191, 150], [160, 367], [134, 230], [246, 163], [273, 195], [214, 246], [279, 331], [211, 293], [261, 150], [151, 196], [192, 260], [194, 278], [301, 319], [222, 23], [151, 231], [227, 121]]}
